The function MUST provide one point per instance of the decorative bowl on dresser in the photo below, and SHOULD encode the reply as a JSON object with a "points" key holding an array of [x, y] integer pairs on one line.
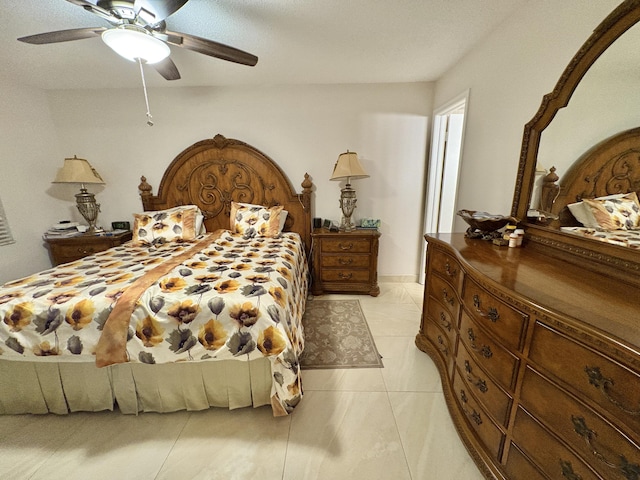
{"points": [[345, 262], [70, 249], [538, 347]]}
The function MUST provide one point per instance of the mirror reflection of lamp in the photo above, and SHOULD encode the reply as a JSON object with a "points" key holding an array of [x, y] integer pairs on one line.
{"points": [[348, 166], [79, 171]]}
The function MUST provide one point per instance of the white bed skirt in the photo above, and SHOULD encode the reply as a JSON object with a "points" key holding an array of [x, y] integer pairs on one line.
{"points": [[61, 388]]}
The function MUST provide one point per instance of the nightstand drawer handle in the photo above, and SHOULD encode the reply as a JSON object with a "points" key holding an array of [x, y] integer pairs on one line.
{"points": [[345, 247], [345, 276], [348, 261], [83, 250]]}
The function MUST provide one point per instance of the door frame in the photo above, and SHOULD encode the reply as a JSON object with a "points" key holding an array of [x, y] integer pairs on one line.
{"points": [[435, 165]]}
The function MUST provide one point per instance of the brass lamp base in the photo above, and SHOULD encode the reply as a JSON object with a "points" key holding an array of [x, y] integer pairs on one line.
{"points": [[347, 205], [88, 208]]}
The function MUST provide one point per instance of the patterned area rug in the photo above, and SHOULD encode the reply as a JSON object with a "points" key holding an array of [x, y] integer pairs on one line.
{"points": [[337, 336]]}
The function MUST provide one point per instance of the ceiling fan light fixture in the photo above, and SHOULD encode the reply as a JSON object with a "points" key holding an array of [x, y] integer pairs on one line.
{"points": [[133, 42]]}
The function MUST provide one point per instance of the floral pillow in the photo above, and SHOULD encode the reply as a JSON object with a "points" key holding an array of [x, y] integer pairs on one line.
{"points": [[616, 212], [255, 220], [178, 223]]}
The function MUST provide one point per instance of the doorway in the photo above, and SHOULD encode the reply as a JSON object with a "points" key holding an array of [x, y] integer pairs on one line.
{"points": [[444, 168]]}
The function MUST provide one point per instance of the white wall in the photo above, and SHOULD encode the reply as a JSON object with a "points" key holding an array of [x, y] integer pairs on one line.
{"points": [[507, 75], [29, 157], [302, 128]]}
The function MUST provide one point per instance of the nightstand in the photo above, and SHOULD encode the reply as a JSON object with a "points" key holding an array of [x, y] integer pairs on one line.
{"points": [[345, 262], [70, 249]]}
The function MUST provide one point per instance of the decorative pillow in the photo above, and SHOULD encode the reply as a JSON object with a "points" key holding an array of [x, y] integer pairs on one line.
{"points": [[615, 212], [255, 220], [178, 223]]}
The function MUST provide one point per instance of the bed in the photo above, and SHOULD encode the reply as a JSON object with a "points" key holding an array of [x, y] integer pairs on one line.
{"points": [[598, 196], [178, 318]]}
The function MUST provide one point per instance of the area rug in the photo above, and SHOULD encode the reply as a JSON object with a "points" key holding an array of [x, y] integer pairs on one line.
{"points": [[337, 336]]}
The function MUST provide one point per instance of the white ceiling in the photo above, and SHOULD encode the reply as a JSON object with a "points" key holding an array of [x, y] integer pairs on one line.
{"points": [[296, 41]]}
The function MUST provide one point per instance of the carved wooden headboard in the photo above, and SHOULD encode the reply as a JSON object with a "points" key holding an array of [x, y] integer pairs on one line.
{"points": [[610, 167], [214, 172]]}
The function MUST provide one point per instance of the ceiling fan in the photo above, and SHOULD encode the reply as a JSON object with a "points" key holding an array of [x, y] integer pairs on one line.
{"points": [[139, 33]]}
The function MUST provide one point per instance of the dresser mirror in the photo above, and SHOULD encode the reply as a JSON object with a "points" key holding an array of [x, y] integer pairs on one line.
{"points": [[596, 98]]}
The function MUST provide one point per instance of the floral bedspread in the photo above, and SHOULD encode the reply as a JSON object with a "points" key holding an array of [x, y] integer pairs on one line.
{"points": [[624, 238], [235, 298]]}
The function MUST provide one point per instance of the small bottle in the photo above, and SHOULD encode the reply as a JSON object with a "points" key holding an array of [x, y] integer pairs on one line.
{"points": [[520, 236], [513, 240]]}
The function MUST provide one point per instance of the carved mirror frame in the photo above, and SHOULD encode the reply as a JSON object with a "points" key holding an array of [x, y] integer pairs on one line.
{"points": [[613, 260]]}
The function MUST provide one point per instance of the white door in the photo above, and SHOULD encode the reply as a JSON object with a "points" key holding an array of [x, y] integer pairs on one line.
{"points": [[444, 169]]}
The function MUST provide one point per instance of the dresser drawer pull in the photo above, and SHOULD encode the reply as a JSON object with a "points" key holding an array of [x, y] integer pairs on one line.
{"points": [[567, 471], [349, 246], [474, 379], [446, 297], [345, 276], [443, 347], [473, 415], [630, 471], [452, 272], [491, 313], [484, 350], [348, 261], [603, 384], [444, 322]]}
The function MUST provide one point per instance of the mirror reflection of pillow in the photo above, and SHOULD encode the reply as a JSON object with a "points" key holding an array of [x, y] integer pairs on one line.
{"points": [[615, 212]]}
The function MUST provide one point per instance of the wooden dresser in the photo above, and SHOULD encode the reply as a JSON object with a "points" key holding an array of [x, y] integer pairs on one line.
{"points": [[539, 359], [345, 262]]}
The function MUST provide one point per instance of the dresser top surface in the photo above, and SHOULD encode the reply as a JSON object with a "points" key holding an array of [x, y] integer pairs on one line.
{"points": [[609, 305]]}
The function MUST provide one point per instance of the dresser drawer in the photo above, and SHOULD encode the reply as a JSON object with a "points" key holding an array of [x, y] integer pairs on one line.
{"points": [[611, 385], [546, 451], [445, 294], [441, 317], [442, 343], [342, 261], [504, 321], [492, 357], [608, 450], [487, 431], [484, 389], [345, 275], [518, 466], [346, 245], [447, 266]]}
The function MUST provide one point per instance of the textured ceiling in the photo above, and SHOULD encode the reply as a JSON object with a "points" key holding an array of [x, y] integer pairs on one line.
{"points": [[296, 41]]}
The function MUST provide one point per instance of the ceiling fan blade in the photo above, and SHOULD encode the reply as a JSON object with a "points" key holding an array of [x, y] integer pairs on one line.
{"points": [[211, 48], [93, 8], [154, 11], [63, 35], [167, 69]]}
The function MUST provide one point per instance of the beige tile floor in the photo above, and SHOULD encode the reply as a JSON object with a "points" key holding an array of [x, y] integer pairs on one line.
{"points": [[368, 424]]}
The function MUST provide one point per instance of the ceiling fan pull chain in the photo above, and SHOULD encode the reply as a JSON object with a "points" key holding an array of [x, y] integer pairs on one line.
{"points": [[146, 98]]}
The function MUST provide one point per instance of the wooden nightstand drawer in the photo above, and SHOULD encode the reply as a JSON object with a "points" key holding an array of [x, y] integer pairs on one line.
{"points": [[342, 261], [70, 249], [345, 262], [346, 245], [343, 275]]}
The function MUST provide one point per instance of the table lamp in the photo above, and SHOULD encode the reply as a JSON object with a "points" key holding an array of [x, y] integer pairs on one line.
{"points": [[348, 166], [79, 170]]}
